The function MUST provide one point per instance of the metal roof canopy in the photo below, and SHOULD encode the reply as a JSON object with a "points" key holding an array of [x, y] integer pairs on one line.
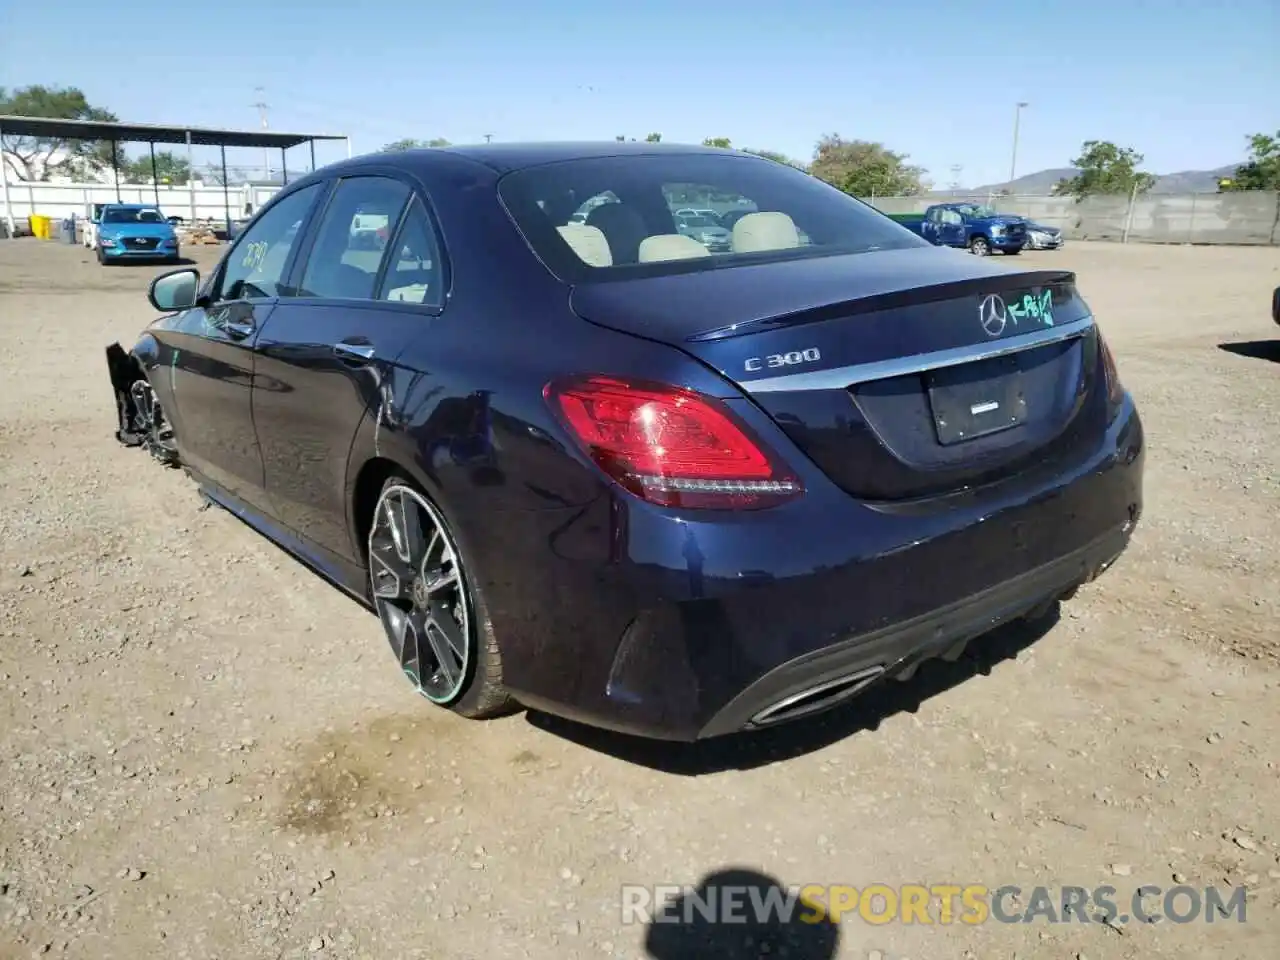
{"points": [[152, 133]]}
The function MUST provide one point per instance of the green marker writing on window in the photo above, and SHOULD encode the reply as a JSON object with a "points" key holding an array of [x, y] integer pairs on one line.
{"points": [[1038, 308]]}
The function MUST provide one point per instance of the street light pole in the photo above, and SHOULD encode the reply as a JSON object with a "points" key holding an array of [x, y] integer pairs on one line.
{"points": [[262, 115], [1013, 162]]}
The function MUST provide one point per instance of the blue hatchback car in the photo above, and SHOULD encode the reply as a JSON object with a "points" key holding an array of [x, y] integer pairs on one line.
{"points": [[576, 460], [135, 231]]}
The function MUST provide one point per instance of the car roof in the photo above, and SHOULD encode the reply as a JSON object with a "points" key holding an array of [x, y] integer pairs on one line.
{"points": [[506, 157], [134, 206]]}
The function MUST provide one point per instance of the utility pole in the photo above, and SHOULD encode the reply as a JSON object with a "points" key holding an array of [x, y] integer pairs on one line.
{"points": [[262, 115], [1013, 163], [955, 177]]}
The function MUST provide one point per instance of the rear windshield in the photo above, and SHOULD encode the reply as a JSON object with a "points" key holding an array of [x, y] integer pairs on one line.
{"points": [[615, 217]]}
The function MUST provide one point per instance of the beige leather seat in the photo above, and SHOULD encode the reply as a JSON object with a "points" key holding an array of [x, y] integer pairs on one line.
{"points": [[671, 246], [588, 243], [765, 231]]}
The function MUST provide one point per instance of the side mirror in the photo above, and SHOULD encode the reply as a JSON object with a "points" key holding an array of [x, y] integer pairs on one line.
{"points": [[175, 290]]}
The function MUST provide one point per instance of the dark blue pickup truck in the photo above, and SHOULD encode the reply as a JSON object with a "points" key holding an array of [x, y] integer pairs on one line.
{"points": [[975, 227]]}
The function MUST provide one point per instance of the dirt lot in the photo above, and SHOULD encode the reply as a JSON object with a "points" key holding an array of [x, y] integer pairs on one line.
{"points": [[208, 753]]}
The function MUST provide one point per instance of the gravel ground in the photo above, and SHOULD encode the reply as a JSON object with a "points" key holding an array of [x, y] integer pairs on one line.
{"points": [[208, 753]]}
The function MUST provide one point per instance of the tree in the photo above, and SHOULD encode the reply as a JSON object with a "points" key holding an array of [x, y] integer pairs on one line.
{"points": [[408, 143], [864, 169], [773, 155], [653, 138], [1261, 171], [33, 158], [170, 168], [1105, 169], [721, 142]]}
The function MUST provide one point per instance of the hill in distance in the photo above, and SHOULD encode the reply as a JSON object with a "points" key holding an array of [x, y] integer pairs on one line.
{"points": [[1041, 183]]}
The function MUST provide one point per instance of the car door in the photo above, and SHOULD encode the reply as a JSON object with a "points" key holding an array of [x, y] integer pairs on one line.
{"points": [[953, 228], [929, 225], [326, 357], [212, 362]]}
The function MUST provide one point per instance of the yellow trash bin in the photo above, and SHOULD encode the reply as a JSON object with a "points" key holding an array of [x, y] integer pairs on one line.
{"points": [[40, 226]]}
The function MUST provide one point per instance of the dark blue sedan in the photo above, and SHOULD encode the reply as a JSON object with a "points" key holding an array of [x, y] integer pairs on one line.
{"points": [[577, 461]]}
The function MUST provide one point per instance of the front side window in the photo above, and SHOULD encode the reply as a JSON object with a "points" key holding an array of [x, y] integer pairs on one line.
{"points": [[255, 266], [344, 261], [686, 212]]}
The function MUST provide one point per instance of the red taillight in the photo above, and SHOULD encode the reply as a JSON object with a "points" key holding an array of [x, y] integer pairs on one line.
{"points": [[669, 445], [1115, 389]]}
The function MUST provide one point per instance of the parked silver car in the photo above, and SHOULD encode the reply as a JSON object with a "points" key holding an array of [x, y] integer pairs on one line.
{"points": [[706, 231], [1041, 237]]}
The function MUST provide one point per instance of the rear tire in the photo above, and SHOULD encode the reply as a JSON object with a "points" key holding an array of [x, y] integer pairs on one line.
{"points": [[429, 606], [979, 247]]}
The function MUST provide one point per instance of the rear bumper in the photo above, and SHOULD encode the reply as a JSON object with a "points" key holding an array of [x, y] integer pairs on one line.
{"points": [[808, 684], [681, 628]]}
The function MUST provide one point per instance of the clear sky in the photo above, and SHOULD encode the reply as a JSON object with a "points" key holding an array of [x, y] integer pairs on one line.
{"points": [[1183, 82]]}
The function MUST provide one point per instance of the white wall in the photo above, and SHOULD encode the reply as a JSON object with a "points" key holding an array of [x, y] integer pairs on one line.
{"points": [[61, 200]]}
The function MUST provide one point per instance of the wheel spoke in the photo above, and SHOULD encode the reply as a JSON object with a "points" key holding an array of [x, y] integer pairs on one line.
{"points": [[441, 580], [392, 577], [427, 562], [411, 543], [411, 650], [448, 645], [397, 621]]}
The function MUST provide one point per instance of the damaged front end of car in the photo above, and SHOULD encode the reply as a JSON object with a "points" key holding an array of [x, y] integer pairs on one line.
{"points": [[140, 420]]}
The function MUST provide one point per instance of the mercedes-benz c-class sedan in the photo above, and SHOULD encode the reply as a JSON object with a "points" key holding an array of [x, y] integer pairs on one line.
{"points": [[579, 462]]}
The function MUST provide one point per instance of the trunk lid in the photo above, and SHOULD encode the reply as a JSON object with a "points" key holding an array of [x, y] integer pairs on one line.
{"points": [[901, 373]]}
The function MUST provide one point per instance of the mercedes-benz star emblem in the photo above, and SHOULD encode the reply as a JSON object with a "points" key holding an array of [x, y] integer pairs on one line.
{"points": [[993, 315]]}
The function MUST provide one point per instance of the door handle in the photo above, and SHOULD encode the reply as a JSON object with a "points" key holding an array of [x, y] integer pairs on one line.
{"points": [[357, 352], [238, 329]]}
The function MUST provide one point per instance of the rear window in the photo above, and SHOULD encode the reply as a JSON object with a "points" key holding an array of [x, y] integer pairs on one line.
{"points": [[622, 217]]}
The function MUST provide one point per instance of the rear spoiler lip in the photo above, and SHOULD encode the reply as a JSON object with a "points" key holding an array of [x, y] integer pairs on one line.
{"points": [[914, 296]]}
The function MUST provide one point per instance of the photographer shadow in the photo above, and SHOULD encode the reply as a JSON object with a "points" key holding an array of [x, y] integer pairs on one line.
{"points": [[695, 928]]}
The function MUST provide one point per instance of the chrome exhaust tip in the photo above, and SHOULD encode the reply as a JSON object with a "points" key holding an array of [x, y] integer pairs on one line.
{"points": [[817, 698]]}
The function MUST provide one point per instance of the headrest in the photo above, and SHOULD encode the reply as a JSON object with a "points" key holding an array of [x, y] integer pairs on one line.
{"points": [[765, 231], [588, 243], [671, 246], [623, 227]]}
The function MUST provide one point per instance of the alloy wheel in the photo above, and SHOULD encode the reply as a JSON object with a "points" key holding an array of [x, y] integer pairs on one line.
{"points": [[420, 593]]}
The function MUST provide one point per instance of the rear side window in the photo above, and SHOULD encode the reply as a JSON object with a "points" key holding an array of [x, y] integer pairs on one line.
{"points": [[352, 239], [645, 215], [414, 272]]}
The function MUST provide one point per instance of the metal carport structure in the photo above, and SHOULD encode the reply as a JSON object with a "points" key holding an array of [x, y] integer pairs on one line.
{"points": [[151, 134]]}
